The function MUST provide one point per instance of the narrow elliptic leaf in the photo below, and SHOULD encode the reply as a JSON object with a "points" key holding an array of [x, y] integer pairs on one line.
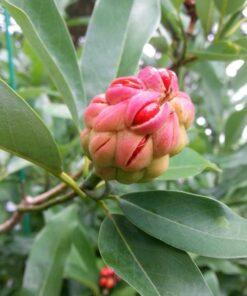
{"points": [[24, 134], [14, 165], [228, 6], [232, 24], [115, 41], [214, 91], [171, 18], [232, 178], [213, 282], [205, 11], [124, 291], [218, 265], [240, 79], [235, 125], [222, 51], [144, 20], [150, 266], [46, 31], [177, 3], [104, 44], [45, 265], [233, 159], [81, 262], [186, 164], [189, 222]]}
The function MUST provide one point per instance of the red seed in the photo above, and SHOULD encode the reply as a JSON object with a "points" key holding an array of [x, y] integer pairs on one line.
{"points": [[166, 81], [129, 82], [146, 113], [137, 150], [166, 78]]}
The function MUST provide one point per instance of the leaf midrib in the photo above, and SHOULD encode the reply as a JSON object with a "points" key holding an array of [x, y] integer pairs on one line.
{"points": [[183, 225], [132, 254], [43, 286], [50, 57]]}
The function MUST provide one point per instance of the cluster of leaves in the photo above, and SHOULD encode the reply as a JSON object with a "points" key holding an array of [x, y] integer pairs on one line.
{"points": [[160, 240]]}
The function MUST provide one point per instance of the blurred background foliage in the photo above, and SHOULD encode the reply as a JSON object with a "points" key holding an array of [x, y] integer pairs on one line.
{"points": [[205, 43]]}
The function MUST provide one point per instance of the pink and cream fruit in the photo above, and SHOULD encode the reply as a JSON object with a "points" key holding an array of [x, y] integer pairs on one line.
{"points": [[133, 129]]}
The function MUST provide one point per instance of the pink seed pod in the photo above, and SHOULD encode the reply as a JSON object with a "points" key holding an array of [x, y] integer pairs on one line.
{"points": [[133, 130], [152, 79], [170, 81], [167, 137], [137, 150], [145, 114], [184, 108], [97, 104], [123, 88], [162, 80]]}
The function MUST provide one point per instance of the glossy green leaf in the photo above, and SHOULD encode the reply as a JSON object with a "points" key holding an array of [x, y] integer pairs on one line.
{"points": [[150, 266], [186, 164], [24, 134], [189, 222], [240, 79], [171, 19], [114, 41], [213, 282], [232, 25], [14, 165], [218, 265], [214, 91], [126, 291], [45, 265], [81, 263], [228, 6], [233, 160], [205, 11], [235, 125], [138, 33], [33, 92], [46, 31], [222, 51], [231, 179], [177, 3], [104, 44]]}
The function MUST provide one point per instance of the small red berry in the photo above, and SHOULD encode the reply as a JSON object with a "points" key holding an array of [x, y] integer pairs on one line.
{"points": [[110, 283], [146, 113], [103, 281], [107, 271]]}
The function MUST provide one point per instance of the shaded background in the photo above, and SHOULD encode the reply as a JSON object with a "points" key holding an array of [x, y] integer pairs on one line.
{"points": [[219, 90]]}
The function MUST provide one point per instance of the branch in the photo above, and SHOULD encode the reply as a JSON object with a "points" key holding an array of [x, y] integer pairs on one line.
{"points": [[11, 222], [40, 207], [39, 199], [38, 203], [49, 198]]}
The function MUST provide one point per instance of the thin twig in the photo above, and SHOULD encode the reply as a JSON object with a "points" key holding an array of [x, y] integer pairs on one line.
{"points": [[11, 222], [43, 197], [46, 205], [38, 203]]}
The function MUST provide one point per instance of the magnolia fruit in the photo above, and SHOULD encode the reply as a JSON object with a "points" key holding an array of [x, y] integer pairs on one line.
{"points": [[133, 129]]}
